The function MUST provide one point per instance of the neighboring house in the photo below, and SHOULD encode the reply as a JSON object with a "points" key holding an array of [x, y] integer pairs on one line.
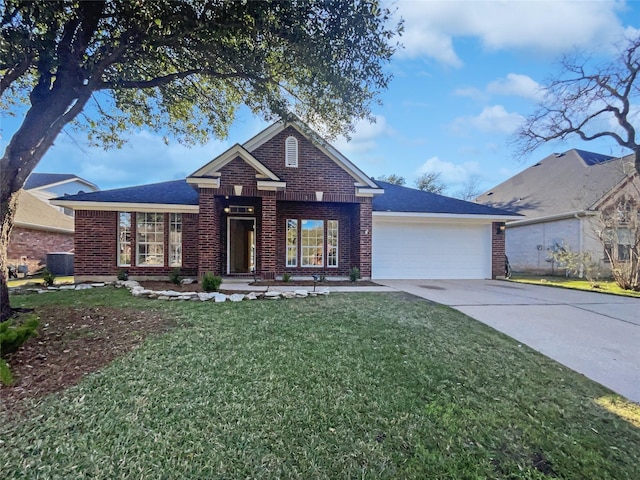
{"points": [[40, 228], [283, 202], [561, 198]]}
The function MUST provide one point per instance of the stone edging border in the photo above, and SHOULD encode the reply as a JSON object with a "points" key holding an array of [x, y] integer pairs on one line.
{"points": [[138, 290]]}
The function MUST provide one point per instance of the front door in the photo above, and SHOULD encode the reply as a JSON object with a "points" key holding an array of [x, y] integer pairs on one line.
{"points": [[241, 245]]}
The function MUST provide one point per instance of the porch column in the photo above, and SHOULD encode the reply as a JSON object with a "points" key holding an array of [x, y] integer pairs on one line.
{"points": [[365, 239], [497, 250], [268, 236], [208, 233]]}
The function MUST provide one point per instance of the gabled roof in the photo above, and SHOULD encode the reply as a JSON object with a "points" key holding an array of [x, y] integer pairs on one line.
{"points": [[36, 214], [177, 194], [212, 168], [410, 200], [40, 180], [573, 181], [362, 180]]}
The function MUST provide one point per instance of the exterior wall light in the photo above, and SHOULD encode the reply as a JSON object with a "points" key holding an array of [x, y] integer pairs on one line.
{"points": [[501, 229]]}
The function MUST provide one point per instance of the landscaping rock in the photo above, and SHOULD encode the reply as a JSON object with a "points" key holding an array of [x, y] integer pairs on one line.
{"points": [[204, 297], [301, 293], [163, 297], [187, 281], [67, 287], [272, 295], [287, 294], [97, 285], [127, 283], [83, 286], [251, 296], [219, 297], [236, 297]]}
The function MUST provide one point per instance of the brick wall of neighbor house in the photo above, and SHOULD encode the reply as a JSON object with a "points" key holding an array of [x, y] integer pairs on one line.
{"points": [[342, 212], [315, 171], [35, 244], [497, 251]]}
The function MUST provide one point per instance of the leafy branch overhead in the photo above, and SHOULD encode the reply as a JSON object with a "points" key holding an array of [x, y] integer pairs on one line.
{"points": [[588, 101]]}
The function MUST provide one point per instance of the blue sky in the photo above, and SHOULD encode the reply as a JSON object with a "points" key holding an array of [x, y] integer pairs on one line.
{"points": [[468, 74]]}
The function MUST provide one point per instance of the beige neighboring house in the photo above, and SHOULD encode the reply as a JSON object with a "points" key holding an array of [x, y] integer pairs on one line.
{"points": [[39, 227], [562, 198]]}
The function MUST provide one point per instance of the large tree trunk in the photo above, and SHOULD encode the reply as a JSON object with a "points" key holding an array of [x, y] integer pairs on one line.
{"points": [[8, 205]]}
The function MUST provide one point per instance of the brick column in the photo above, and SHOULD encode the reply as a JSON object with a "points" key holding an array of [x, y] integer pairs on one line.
{"points": [[208, 233], [497, 251], [365, 238], [268, 237]]}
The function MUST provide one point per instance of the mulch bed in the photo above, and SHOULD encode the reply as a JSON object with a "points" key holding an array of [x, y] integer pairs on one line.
{"points": [[71, 343]]}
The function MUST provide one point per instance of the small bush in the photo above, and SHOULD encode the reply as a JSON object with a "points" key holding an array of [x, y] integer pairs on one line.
{"points": [[211, 282], [123, 275], [11, 337], [5, 374], [286, 277], [354, 274], [48, 278], [175, 276]]}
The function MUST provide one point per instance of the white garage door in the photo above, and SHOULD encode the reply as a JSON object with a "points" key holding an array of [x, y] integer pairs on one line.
{"points": [[421, 248]]}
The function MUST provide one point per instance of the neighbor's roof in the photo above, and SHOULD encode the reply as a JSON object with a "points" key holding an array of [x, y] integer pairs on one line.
{"points": [[176, 192], [38, 180], [36, 214], [568, 182], [410, 200]]}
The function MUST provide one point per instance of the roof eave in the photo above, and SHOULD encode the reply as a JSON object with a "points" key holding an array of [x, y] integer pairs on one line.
{"points": [[127, 206]]}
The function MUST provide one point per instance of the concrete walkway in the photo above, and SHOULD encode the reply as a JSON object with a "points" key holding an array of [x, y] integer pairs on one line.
{"points": [[595, 334]]}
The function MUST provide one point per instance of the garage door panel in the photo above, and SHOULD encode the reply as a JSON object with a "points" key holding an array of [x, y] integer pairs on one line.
{"points": [[430, 250]]}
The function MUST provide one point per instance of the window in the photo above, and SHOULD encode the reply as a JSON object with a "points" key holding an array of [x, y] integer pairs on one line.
{"points": [[150, 239], [332, 243], [124, 239], [618, 244], [291, 152], [312, 243], [292, 243], [625, 243], [175, 240]]}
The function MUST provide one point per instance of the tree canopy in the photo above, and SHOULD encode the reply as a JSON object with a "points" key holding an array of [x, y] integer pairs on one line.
{"points": [[430, 182], [393, 178], [180, 68], [588, 101]]}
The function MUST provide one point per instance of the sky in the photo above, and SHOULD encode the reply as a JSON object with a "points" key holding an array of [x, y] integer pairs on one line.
{"points": [[468, 74]]}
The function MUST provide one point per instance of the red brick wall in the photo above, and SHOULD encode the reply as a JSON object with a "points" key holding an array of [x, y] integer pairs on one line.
{"points": [[209, 233], [267, 232], [35, 244], [317, 211], [315, 172], [497, 251], [364, 235], [238, 172], [96, 246]]}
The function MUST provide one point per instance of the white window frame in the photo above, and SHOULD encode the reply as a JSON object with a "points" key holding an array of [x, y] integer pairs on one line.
{"points": [[124, 238], [291, 152], [291, 236], [175, 239], [332, 243], [312, 250], [156, 221]]}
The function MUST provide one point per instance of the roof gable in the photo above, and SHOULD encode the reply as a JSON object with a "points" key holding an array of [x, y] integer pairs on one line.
{"points": [[572, 181], [42, 181], [360, 178], [212, 169], [38, 214]]}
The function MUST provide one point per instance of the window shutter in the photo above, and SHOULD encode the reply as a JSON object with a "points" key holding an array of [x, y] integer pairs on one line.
{"points": [[291, 152]]}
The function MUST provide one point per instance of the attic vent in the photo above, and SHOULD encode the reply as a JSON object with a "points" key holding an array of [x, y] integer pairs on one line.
{"points": [[291, 152]]}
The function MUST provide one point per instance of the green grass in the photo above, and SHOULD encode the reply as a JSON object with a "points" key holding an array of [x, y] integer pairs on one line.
{"points": [[38, 281], [345, 386], [603, 286]]}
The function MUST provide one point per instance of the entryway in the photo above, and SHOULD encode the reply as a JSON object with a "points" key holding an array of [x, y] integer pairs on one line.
{"points": [[241, 245]]}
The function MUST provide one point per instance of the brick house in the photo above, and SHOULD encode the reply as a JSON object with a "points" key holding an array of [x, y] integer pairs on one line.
{"points": [[283, 202]]}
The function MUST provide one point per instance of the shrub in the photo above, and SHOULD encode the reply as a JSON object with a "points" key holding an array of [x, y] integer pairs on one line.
{"points": [[11, 337], [48, 278], [211, 282], [286, 277], [123, 275], [175, 276], [354, 274], [5, 373]]}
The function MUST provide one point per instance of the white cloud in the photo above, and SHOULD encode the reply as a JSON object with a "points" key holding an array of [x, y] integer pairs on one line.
{"points": [[451, 174], [493, 119], [545, 27], [517, 85], [365, 136]]}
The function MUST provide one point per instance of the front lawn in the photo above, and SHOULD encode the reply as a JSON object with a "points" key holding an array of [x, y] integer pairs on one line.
{"points": [[345, 386]]}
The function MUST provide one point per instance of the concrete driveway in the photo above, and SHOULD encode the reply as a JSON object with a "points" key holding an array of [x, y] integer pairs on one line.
{"points": [[595, 334]]}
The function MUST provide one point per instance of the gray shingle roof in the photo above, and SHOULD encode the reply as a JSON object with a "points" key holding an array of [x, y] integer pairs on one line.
{"points": [[404, 199], [176, 192], [561, 183], [36, 180]]}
